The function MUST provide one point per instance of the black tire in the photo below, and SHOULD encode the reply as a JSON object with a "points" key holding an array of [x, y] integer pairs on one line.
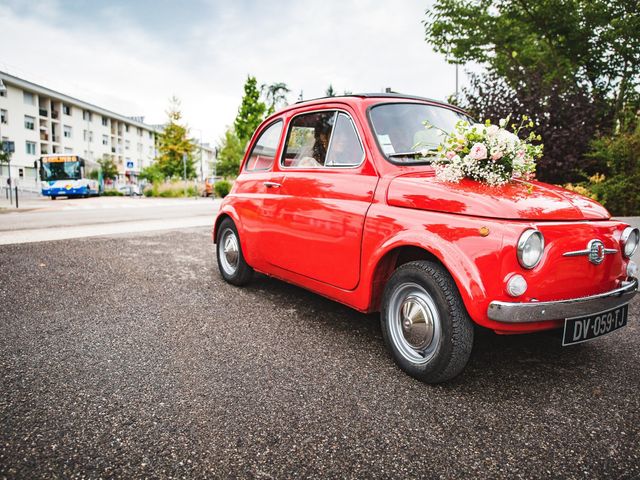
{"points": [[234, 269], [436, 348], [53, 197]]}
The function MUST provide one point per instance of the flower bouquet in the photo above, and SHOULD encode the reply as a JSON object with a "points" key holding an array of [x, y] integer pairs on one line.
{"points": [[487, 153]]}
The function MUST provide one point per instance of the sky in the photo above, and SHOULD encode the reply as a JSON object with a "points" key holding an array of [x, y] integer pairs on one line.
{"points": [[132, 56]]}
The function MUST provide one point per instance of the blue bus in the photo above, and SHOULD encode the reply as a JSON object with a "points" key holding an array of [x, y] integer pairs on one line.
{"points": [[64, 176]]}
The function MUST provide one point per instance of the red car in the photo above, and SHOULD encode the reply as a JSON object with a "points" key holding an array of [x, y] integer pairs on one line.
{"points": [[331, 197]]}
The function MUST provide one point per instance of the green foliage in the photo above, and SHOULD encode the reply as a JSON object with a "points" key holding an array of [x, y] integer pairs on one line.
{"points": [[619, 190], [275, 95], [330, 92], [5, 157], [112, 192], [152, 174], [94, 175], [572, 65], [230, 153], [173, 143], [172, 189], [251, 112], [108, 167], [222, 188], [576, 42]]}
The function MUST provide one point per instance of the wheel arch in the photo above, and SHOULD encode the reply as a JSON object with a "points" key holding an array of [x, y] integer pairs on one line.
{"points": [[463, 271], [226, 213]]}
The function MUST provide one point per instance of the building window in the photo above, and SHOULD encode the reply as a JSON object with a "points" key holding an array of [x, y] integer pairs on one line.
{"points": [[105, 139], [29, 122], [67, 131], [87, 135], [139, 132], [68, 150], [126, 128], [3, 93], [105, 121], [66, 109], [31, 147], [127, 144], [29, 98], [86, 115], [150, 136], [4, 117]]}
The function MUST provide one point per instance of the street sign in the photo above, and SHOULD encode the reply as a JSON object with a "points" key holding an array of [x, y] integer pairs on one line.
{"points": [[129, 164], [8, 146]]}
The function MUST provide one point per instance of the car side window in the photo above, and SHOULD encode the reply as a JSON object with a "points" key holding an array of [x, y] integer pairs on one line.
{"points": [[264, 150], [345, 149], [308, 139]]}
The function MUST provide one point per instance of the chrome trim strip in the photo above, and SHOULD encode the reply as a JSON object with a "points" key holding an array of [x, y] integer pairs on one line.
{"points": [[587, 251], [524, 312]]}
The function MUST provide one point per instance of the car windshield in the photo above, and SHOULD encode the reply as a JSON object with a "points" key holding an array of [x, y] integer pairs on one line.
{"points": [[401, 130], [60, 170]]}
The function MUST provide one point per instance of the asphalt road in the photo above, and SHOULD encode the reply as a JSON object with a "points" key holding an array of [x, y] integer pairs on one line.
{"points": [[128, 357]]}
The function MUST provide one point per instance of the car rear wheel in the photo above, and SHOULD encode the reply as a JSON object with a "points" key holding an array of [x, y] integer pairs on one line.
{"points": [[424, 322], [233, 268]]}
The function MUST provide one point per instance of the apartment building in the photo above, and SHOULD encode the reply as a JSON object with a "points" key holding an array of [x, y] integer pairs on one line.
{"points": [[41, 121]]}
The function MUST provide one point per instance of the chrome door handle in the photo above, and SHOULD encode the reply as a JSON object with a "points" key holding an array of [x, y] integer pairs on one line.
{"points": [[272, 184]]}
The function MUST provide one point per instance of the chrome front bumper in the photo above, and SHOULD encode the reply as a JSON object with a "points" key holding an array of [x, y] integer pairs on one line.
{"points": [[511, 312]]}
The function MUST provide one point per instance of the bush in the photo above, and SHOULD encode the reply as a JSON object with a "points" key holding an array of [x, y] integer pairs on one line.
{"points": [[222, 188], [112, 192], [618, 188], [174, 189]]}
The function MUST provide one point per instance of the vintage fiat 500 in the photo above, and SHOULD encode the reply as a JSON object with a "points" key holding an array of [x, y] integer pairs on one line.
{"points": [[331, 197]]}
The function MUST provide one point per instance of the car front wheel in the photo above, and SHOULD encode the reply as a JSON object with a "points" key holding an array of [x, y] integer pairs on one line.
{"points": [[424, 322], [233, 268]]}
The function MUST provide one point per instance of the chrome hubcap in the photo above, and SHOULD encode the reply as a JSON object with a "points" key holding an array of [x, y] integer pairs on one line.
{"points": [[414, 323], [230, 253]]}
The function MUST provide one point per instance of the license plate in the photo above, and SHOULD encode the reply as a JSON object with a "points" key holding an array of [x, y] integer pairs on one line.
{"points": [[581, 329]]}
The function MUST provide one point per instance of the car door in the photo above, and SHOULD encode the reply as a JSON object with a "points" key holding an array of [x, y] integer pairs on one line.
{"points": [[314, 222], [253, 184]]}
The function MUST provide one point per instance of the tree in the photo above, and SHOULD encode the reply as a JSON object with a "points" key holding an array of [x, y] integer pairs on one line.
{"points": [[572, 65], [275, 95], [152, 173], [330, 92], [231, 151], [594, 44], [251, 112], [108, 167], [173, 143]]}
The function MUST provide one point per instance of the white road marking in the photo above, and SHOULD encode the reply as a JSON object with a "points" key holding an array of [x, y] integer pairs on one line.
{"points": [[62, 233]]}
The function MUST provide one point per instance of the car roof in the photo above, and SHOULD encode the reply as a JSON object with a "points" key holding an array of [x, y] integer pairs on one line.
{"points": [[355, 97]]}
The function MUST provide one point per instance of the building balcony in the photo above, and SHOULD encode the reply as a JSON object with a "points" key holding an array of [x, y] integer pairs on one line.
{"points": [[44, 112], [54, 114], [44, 137]]}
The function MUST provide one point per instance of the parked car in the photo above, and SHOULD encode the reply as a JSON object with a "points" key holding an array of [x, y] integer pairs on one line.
{"points": [[130, 189], [330, 197]]}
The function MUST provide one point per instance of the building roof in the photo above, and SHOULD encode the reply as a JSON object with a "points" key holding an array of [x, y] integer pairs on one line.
{"points": [[25, 84]]}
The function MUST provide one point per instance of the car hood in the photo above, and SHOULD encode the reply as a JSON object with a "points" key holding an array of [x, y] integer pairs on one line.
{"points": [[515, 200]]}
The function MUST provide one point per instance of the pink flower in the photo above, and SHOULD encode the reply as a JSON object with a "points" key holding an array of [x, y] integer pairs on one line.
{"points": [[478, 151], [450, 154], [496, 154]]}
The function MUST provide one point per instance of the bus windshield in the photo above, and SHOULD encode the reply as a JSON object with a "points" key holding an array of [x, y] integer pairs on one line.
{"points": [[61, 171]]}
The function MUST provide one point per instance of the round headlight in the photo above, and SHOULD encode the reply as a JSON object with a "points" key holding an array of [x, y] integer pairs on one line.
{"points": [[530, 248], [630, 239]]}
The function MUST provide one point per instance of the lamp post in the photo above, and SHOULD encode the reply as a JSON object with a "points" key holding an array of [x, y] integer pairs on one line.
{"points": [[3, 89]]}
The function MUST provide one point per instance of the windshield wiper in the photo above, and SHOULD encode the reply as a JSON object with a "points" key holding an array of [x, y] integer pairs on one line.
{"points": [[416, 155]]}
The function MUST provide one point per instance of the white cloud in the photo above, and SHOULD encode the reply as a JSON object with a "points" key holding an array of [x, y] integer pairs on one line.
{"points": [[133, 68]]}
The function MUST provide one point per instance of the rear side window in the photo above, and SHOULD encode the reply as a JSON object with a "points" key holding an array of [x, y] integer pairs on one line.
{"points": [[264, 150], [322, 139]]}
